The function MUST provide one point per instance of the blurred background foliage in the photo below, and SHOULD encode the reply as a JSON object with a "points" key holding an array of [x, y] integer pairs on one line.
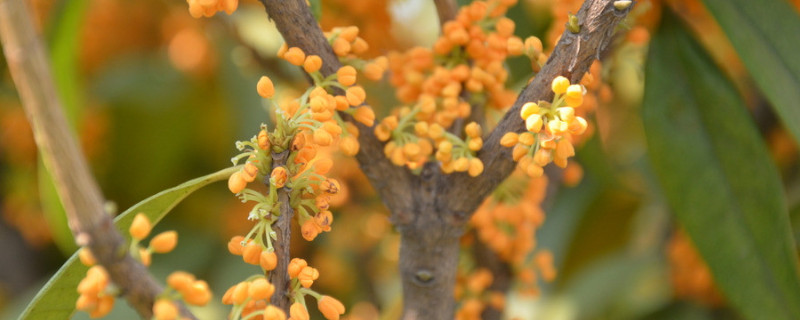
{"points": [[157, 98]]}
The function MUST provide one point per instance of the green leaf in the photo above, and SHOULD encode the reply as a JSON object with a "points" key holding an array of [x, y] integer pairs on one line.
{"points": [[764, 34], [717, 176], [56, 300], [316, 9]]}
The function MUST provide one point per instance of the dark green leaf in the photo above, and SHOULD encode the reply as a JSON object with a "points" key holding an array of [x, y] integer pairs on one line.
{"points": [[717, 176], [765, 35], [56, 300]]}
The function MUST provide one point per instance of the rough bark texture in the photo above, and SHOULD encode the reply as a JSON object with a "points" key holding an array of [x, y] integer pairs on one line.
{"points": [[82, 199], [279, 277], [430, 210]]}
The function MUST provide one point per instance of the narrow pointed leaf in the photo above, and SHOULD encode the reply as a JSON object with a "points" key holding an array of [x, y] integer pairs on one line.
{"points": [[717, 176], [765, 35]]}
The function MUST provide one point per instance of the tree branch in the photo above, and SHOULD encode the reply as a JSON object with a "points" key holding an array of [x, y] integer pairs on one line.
{"points": [[83, 201], [446, 10], [571, 58], [431, 209], [279, 277]]}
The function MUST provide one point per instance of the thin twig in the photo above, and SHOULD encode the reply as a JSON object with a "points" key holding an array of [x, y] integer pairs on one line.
{"points": [[279, 277], [83, 201]]}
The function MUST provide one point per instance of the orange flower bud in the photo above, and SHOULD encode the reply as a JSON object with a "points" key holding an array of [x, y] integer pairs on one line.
{"points": [[145, 257], [274, 313], [235, 245], [564, 149], [307, 276], [312, 63], [268, 260], [265, 88], [252, 253], [322, 202], [180, 280], [236, 182], [263, 140], [349, 145], [240, 293], [475, 167], [322, 137], [103, 307], [295, 266], [330, 307], [346, 75], [197, 294], [373, 71], [365, 115], [341, 47], [475, 144], [227, 298], [534, 171], [527, 139], [260, 289], [435, 131], [542, 157], [514, 46], [140, 227], [473, 130], [164, 242], [299, 141], [359, 46], [355, 95], [310, 230], [249, 172], [295, 56], [278, 176], [411, 150], [578, 126], [282, 50], [534, 123], [461, 164], [165, 309], [86, 257], [349, 33], [518, 152], [330, 185], [560, 85], [505, 27], [509, 139], [298, 312], [324, 219]]}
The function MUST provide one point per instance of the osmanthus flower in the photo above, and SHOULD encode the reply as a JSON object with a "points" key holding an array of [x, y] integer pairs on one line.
{"points": [[551, 126], [207, 8], [97, 293]]}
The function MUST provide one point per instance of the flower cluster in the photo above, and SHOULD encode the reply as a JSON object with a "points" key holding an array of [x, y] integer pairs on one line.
{"points": [[471, 291], [97, 292], [550, 126], [442, 87], [250, 298], [288, 159], [207, 8]]}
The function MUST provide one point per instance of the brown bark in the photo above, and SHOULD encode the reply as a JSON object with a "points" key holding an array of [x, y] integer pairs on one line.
{"points": [[279, 277], [430, 210], [446, 10], [80, 194]]}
